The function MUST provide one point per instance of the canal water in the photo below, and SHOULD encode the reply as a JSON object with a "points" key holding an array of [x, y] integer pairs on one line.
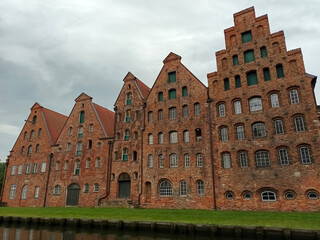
{"points": [[19, 232]]}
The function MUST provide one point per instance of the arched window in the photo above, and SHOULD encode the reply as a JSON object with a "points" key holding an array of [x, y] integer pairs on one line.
{"points": [[283, 156], [172, 113], [226, 160], [305, 154], [150, 116], [278, 126], [184, 91], [160, 115], [22, 150], [161, 161], [243, 159], [150, 161], [294, 96], [235, 60], [57, 166], [259, 130], [224, 134], [274, 99], [34, 119], [186, 160], [129, 98], [135, 135], [262, 158], [81, 117], [299, 124], [237, 80], [30, 149], [263, 52], [96, 187], [237, 107], [198, 134], [280, 73], [290, 195], [80, 132], [183, 188], [229, 195], [24, 192], [118, 117], [165, 188], [39, 132], [200, 187], [126, 135], [88, 163], [79, 148], [57, 190], [197, 109], [25, 135], [128, 116], [240, 132], [173, 160], [185, 111], [247, 195], [125, 154], [160, 96], [160, 138], [268, 196], [221, 110], [150, 139], [173, 137], [186, 136], [255, 104], [172, 94], [199, 160], [89, 144], [136, 116], [226, 84], [312, 195], [77, 168], [66, 165], [86, 188], [134, 156], [32, 134], [70, 130]]}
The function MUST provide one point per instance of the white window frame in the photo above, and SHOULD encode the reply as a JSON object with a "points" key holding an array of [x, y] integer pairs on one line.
{"points": [[150, 161], [268, 196], [186, 137], [200, 188], [172, 113], [224, 134], [259, 130], [165, 188], [299, 124], [160, 138], [13, 190], [183, 188], [185, 111], [243, 159], [186, 160], [294, 96], [161, 161], [226, 160], [36, 192], [197, 110], [57, 190], [221, 110], [278, 126], [173, 137], [150, 117], [20, 168], [305, 155], [199, 160], [43, 167], [262, 158], [96, 187], [255, 104], [13, 170], [173, 160], [240, 132], [237, 107], [150, 138], [283, 156], [274, 99], [24, 193], [160, 115]]}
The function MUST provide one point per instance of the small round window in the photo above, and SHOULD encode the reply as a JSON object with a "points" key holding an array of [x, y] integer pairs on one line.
{"points": [[229, 195], [313, 195], [290, 196], [247, 196]]}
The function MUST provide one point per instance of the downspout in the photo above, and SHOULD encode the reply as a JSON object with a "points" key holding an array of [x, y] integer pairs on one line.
{"points": [[4, 179], [47, 183], [209, 101], [141, 157]]}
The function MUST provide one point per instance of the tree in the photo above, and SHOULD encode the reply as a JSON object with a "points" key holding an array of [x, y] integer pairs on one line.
{"points": [[2, 169]]}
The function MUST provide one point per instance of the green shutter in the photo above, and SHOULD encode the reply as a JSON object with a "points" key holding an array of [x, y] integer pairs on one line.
{"points": [[280, 73], [81, 120], [172, 94], [160, 96], [252, 78], [238, 81], [226, 84], [246, 37], [125, 157], [184, 91], [248, 56], [266, 74], [235, 60], [263, 52], [172, 77]]}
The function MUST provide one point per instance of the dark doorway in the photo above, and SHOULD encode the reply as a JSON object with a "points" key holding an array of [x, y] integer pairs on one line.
{"points": [[73, 195], [124, 185], [148, 192]]}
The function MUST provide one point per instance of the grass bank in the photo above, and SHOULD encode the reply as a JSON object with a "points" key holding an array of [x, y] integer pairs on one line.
{"points": [[239, 218]]}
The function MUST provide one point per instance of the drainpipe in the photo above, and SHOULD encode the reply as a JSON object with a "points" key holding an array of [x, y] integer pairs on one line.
{"points": [[47, 183], [209, 101], [4, 179], [141, 157]]}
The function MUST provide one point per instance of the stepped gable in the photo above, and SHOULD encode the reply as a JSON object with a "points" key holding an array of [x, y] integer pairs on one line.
{"points": [[172, 57], [106, 118]]}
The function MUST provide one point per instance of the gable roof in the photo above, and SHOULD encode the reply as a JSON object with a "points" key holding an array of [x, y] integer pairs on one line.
{"points": [[172, 57], [106, 118], [144, 89]]}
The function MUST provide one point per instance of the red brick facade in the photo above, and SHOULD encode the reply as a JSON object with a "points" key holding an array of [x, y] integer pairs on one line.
{"points": [[247, 141]]}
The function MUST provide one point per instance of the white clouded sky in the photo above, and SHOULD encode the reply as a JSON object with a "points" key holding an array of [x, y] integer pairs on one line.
{"points": [[51, 51]]}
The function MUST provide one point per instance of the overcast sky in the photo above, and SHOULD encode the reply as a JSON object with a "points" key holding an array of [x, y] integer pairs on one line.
{"points": [[51, 51]]}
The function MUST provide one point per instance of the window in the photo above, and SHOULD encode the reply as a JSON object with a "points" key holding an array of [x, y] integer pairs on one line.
{"points": [[172, 113], [240, 132], [116, 155], [135, 135], [150, 114], [199, 160], [173, 160], [35, 168], [266, 74], [249, 56], [30, 149], [200, 187], [28, 168], [237, 80], [165, 188], [118, 117], [25, 135], [237, 107], [184, 91], [198, 134], [81, 117], [160, 138], [22, 151], [160, 115], [79, 148], [77, 168], [185, 111], [183, 188], [229, 195], [89, 144], [34, 120], [186, 136], [226, 160], [173, 137], [299, 124], [36, 192], [96, 187], [305, 155], [160, 96], [80, 132], [136, 116], [235, 60], [226, 84], [221, 110], [88, 163], [312, 195], [57, 168], [262, 158], [161, 161], [70, 130], [150, 161], [126, 135], [39, 132], [186, 160], [294, 96], [24, 192], [247, 195], [32, 134], [13, 189], [280, 73], [13, 170], [252, 78], [197, 109], [246, 37], [150, 139], [91, 127], [134, 156], [20, 167], [172, 94], [224, 134], [57, 190], [66, 165], [86, 188], [278, 126], [255, 104], [289, 195], [125, 154], [129, 99], [128, 116], [68, 147], [274, 100], [43, 167], [268, 196], [283, 156], [172, 77], [243, 159], [263, 52]]}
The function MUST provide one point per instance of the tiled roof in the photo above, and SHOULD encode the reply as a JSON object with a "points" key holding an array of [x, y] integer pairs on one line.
{"points": [[106, 117], [143, 88]]}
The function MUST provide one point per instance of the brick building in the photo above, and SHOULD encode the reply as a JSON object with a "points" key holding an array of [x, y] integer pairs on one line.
{"points": [[247, 141]]}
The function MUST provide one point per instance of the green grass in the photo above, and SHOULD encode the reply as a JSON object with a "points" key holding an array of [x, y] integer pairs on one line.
{"points": [[240, 218]]}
